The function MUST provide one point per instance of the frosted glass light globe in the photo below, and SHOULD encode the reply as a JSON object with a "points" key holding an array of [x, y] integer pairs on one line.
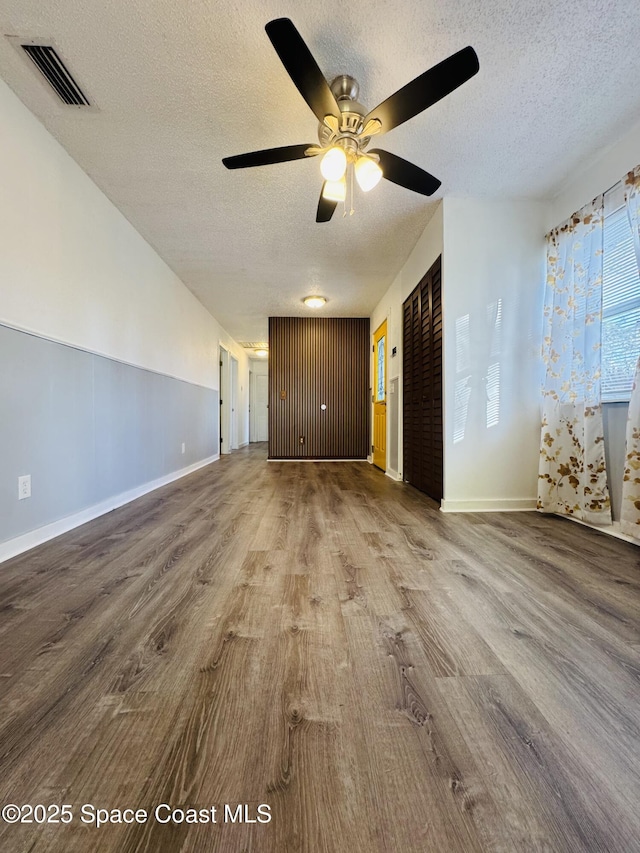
{"points": [[368, 173], [334, 164], [335, 190], [314, 301]]}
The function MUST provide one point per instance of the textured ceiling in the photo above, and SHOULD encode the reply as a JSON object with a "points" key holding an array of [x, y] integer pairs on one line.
{"points": [[179, 85]]}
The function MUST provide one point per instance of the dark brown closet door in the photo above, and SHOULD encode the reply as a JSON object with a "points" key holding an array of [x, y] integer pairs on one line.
{"points": [[422, 385]]}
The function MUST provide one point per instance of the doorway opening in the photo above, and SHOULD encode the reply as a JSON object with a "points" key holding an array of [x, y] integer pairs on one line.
{"points": [[258, 404], [233, 397]]}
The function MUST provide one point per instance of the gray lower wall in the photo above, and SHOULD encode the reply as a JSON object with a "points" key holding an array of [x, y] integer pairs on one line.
{"points": [[87, 428]]}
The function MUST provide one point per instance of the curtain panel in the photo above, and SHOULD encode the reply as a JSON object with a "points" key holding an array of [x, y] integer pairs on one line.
{"points": [[630, 513], [572, 474]]}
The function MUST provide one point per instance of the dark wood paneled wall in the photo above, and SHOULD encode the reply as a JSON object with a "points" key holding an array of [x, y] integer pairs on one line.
{"points": [[315, 361], [422, 385]]}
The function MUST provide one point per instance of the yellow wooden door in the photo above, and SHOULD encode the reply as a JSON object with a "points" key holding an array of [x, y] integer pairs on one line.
{"points": [[380, 397]]}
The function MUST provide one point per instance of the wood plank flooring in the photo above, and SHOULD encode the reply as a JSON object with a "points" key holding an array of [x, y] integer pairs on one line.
{"points": [[318, 639]]}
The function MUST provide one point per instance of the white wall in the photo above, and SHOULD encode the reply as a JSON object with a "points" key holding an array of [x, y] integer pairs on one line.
{"points": [[493, 255], [74, 270], [425, 252]]}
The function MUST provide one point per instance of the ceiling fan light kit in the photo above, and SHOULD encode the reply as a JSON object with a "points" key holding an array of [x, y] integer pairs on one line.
{"points": [[334, 164], [368, 173], [335, 190], [345, 127]]}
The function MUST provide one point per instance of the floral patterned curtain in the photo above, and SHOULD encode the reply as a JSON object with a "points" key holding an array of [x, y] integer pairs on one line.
{"points": [[630, 514], [572, 475]]}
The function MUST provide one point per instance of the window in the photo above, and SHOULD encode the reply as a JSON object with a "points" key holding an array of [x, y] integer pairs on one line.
{"points": [[620, 301], [380, 388]]}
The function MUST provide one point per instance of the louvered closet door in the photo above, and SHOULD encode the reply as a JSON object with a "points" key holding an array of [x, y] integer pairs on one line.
{"points": [[410, 386], [422, 363]]}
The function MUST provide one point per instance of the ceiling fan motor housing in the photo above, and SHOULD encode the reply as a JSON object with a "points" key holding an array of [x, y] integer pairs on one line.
{"points": [[345, 89]]}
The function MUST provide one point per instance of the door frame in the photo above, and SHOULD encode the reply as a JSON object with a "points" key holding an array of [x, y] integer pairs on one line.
{"points": [[423, 434], [225, 403], [386, 393], [252, 405], [234, 385], [254, 433]]}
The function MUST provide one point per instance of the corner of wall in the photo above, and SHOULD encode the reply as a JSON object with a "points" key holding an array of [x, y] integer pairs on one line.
{"points": [[604, 170]]}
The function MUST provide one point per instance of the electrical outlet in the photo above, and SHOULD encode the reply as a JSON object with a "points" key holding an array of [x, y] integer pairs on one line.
{"points": [[301, 439], [183, 446], [24, 487]]}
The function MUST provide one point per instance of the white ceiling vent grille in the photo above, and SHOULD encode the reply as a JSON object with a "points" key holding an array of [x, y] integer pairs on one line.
{"points": [[55, 72]]}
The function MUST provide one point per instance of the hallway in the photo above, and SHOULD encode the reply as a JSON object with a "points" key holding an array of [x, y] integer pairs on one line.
{"points": [[320, 640]]}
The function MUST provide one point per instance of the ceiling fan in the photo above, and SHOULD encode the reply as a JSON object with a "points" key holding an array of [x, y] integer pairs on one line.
{"points": [[346, 127]]}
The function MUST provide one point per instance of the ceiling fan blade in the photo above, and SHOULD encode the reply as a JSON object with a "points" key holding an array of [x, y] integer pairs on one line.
{"points": [[302, 68], [325, 208], [426, 89], [405, 174], [269, 156]]}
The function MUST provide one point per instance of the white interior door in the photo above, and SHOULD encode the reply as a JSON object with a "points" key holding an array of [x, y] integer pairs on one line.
{"points": [[252, 406], [261, 411]]}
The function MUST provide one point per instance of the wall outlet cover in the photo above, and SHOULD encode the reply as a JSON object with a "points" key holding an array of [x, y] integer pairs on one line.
{"points": [[24, 487]]}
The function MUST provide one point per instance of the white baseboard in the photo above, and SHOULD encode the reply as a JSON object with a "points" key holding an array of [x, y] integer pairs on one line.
{"points": [[491, 505], [613, 529], [317, 460], [370, 460], [393, 474], [27, 541]]}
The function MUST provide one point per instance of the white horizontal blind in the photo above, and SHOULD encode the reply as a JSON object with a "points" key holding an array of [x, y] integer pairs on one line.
{"points": [[620, 304]]}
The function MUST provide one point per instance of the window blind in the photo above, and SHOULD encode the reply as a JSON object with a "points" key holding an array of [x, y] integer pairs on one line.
{"points": [[620, 307]]}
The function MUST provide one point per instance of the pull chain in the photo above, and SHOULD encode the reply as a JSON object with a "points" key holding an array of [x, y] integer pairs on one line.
{"points": [[349, 194], [351, 212]]}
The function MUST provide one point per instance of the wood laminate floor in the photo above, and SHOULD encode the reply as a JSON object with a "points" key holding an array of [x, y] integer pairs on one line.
{"points": [[320, 640]]}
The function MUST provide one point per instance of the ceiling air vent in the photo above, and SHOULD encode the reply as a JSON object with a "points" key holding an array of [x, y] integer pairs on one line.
{"points": [[55, 72]]}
